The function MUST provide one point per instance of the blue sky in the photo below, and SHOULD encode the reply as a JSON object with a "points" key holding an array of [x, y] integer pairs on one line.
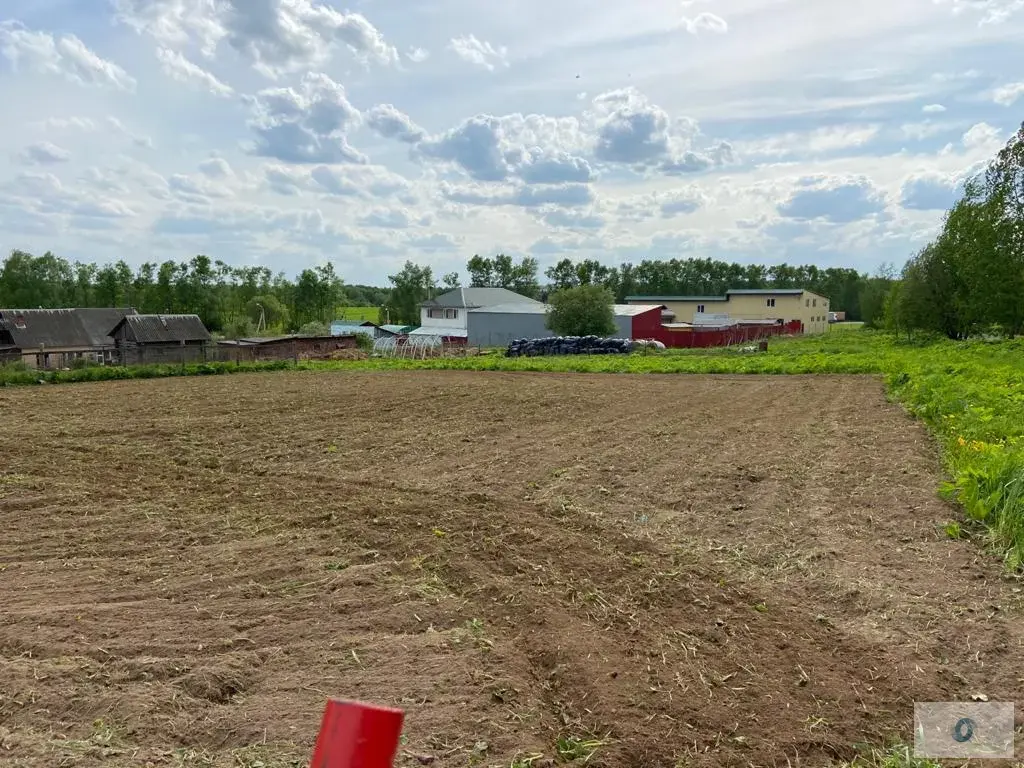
{"points": [[288, 133]]}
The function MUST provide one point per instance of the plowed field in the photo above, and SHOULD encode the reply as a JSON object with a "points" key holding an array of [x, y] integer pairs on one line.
{"points": [[653, 571]]}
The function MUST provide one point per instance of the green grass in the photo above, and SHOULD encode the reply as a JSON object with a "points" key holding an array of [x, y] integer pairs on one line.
{"points": [[970, 394], [357, 314]]}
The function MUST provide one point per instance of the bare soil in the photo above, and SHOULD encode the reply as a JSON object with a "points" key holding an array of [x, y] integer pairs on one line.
{"points": [[660, 571]]}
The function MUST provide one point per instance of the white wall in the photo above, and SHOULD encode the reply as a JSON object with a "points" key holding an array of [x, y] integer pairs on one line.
{"points": [[444, 322]]}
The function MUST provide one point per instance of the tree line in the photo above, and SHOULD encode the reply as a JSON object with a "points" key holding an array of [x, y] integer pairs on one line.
{"points": [[970, 278], [228, 299], [244, 300], [861, 296]]}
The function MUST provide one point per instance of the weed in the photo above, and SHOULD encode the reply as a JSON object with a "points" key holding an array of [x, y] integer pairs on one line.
{"points": [[953, 529], [575, 748], [525, 761], [264, 756], [898, 756]]}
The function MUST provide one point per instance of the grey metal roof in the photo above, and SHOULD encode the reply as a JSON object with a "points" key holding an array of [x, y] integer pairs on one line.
{"points": [[676, 298], [517, 308], [537, 308], [767, 291], [164, 329], [478, 297], [730, 292], [631, 310], [73, 328], [430, 330], [255, 341]]}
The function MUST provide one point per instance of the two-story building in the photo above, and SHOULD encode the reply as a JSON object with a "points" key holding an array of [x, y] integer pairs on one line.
{"points": [[776, 305], [447, 315]]}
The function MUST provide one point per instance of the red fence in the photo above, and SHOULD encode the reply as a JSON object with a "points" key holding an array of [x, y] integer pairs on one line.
{"points": [[644, 327]]}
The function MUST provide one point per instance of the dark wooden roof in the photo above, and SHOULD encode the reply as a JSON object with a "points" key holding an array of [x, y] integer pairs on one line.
{"points": [[84, 327], [163, 329], [263, 340]]}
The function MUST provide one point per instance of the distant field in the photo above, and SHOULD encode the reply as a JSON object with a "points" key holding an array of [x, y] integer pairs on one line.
{"points": [[357, 313]]}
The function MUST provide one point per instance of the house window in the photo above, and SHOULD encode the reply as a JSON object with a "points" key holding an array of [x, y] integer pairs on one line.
{"points": [[807, 302], [700, 308], [814, 303], [771, 302], [436, 314], [451, 314]]}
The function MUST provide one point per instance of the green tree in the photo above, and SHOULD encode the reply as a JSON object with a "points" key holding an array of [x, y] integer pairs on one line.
{"points": [[240, 328], [872, 298], [315, 328], [412, 286], [582, 311], [562, 275], [503, 272], [481, 272], [274, 312]]}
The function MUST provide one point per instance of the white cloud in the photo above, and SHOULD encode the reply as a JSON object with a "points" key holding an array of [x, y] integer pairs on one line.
{"points": [[988, 12], [818, 141], [1006, 95], [44, 153], [67, 123], [65, 55], [308, 125], [216, 168], [833, 199], [929, 191], [922, 130], [391, 123], [705, 22], [181, 69], [289, 35], [980, 135], [612, 134], [278, 36], [479, 52], [174, 23], [43, 194]]}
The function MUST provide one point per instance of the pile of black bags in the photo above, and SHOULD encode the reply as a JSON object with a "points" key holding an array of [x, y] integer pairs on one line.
{"points": [[569, 345]]}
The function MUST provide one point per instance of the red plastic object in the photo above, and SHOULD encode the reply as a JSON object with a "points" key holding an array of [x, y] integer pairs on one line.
{"points": [[357, 735]]}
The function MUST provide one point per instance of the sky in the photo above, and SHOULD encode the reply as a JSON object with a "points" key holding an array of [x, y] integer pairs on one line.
{"points": [[291, 133]]}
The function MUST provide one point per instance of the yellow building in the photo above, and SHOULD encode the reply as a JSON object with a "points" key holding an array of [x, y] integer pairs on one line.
{"points": [[761, 304]]}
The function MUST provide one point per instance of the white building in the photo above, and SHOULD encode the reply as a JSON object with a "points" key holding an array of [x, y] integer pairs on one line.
{"points": [[448, 314]]}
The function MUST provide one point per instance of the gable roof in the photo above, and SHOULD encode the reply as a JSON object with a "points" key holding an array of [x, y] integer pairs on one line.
{"points": [[728, 293], [359, 326], [538, 308], [659, 299], [163, 329], [78, 328], [98, 322], [478, 297], [765, 291]]}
